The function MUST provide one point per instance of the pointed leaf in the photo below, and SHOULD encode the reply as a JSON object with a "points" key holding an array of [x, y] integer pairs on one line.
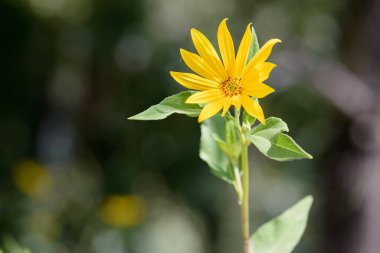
{"points": [[282, 234], [277, 146], [272, 123], [173, 104]]}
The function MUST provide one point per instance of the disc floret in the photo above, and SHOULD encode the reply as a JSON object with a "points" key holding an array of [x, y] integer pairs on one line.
{"points": [[231, 87]]}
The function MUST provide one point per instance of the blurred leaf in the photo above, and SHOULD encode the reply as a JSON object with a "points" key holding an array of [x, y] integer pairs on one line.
{"points": [[270, 141], [12, 246], [282, 234], [210, 152], [173, 104]]}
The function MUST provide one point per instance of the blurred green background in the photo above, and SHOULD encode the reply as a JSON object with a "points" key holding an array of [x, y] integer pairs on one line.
{"points": [[77, 176]]}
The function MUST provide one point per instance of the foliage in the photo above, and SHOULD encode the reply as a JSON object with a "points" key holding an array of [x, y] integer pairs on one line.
{"points": [[211, 148], [282, 234], [10, 245], [172, 104], [273, 143]]}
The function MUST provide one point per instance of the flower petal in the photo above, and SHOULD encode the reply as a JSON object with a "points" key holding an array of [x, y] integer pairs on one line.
{"points": [[242, 55], [211, 109], [227, 105], [264, 70], [199, 66], [258, 90], [262, 55], [226, 47], [208, 53], [236, 101], [259, 73], [253, 108], [193, 82], [205, 96]]}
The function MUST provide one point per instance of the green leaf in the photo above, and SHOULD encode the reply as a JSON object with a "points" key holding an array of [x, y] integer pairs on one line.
{"points": [[173, 104], [232, 150], [274, 144], [210, 152], [230, 131], [282, 234], [12, 246], [254, 45], [278, 146], [272, 124]]}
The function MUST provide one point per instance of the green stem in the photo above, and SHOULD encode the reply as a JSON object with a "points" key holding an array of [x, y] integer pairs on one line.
{"points": [[245, 184], [245, 202], [238, 185]]}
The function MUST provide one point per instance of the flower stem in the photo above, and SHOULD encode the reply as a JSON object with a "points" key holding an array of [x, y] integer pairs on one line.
{"points": [[245, 184], [245, 202]]}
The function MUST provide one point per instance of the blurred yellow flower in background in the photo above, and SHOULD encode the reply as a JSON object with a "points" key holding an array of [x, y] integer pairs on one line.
{"points": [[32, 179], [123, 210], [231, 82]]}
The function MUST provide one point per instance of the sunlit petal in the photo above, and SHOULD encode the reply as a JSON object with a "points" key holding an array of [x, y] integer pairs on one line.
{"points": [[211, 109], [262, 55], [199, 66], [193, 82], [253, 108], [208, 53], [205, 96], [258, 90], [242, 55], [226, 47], [259, 73]]}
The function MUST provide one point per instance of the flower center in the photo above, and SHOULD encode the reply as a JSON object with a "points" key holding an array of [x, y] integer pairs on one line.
{"points": [[231, 87]]}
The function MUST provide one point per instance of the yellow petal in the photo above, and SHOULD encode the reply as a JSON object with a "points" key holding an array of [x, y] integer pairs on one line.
{"points": [[227, 105], [264, 70], [259, 73], [258, 90], [208, 53], [262, 55], [226, 47], [199, 66], [193, 82], [205, 96], [236, 101], [253, 108], [211, 109], [242, 55]]}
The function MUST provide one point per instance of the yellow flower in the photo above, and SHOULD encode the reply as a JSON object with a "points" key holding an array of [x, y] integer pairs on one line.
{"points": [[123, 210], [231, 82]]}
